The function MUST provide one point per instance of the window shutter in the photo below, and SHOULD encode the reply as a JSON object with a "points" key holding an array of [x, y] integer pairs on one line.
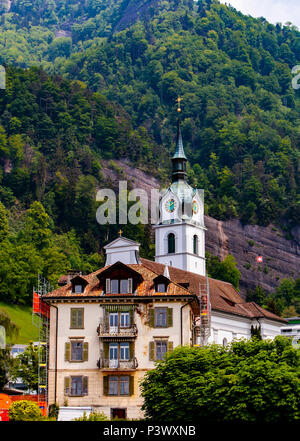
{"points": [[170, 346], [107, 288], [151, 317], [131, 350], [67, 385], [152, 351], [105, 385], [67, 351], [85, 351], [131, 385], [129, 286], [106, 319], [80, 318], [85, 381], [131, 317], [73, 318], [106, 350], [170, 317]]}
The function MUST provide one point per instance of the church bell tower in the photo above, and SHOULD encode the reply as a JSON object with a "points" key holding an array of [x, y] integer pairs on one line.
{"points": [[180, 232]]}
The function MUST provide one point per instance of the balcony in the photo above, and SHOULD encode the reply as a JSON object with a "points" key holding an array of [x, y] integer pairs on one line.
{"points": [[104, 363], [104, 330]]}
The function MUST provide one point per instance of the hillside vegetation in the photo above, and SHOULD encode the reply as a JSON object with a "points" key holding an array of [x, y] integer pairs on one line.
{"points": [[97, 80]]}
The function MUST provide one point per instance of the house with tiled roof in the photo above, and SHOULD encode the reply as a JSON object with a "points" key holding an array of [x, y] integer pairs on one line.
{"points": [[109, 327]]}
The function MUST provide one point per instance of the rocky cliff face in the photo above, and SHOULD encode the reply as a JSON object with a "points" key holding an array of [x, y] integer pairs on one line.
{"points": [[281, 257]]}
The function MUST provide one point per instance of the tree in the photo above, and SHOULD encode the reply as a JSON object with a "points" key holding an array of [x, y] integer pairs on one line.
{"points": [[225, 270], [6, 361], [26, 367], [4, 229], [249, 381]]}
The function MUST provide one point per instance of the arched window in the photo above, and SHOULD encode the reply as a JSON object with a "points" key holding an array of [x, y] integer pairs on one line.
{"points": [[195, 244], [171, 243], [225, 342]]}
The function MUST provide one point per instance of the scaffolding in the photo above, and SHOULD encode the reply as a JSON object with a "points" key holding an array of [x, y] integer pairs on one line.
{"points": [[40, 318], [204, 323]]}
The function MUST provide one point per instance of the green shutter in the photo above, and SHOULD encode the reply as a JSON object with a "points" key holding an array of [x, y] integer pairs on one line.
{"points": [[67, 351], [131, 317], [106, 350], [151, 317], [152, 351], [106, 318], [85, 385], [131, 350], [105, 385], [170, 346], [85, 351], [170, 317], [131, 385], [73, 320], [67, 386]]}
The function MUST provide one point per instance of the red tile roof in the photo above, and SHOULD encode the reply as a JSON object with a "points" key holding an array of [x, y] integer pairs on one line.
{"points": [[223, 296]]}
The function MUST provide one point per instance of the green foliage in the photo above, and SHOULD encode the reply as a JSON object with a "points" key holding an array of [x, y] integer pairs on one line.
{"points": [[26, 367], [225, 270], [25, 411], [22, 317], [53, 411], [249, 381], [93, 416]]}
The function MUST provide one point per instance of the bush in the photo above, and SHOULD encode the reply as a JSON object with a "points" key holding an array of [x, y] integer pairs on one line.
{"points": [[93, 416], [25, 411], [53, 411]]}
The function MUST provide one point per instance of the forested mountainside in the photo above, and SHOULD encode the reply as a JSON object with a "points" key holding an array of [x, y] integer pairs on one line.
{"points": [[104, 86], [240, 118]]}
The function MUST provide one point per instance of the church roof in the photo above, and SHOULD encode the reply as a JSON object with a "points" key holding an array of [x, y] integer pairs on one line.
{"points": [[223, 296]]}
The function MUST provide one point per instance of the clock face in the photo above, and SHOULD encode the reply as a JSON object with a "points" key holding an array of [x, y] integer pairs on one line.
{"points": [[170, 205], [195, 207]]}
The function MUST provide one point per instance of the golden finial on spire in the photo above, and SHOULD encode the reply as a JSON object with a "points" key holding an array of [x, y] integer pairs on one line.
{"points": [[120, 233], [178, 102]]}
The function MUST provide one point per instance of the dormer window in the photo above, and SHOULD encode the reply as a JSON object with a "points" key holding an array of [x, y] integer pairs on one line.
{"points": [[78, 284], [161, 287], [78, 289], [118, 286]]}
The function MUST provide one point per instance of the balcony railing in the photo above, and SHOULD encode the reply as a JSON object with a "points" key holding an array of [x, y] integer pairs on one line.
{"points": [[104, 330], [104, 363]]}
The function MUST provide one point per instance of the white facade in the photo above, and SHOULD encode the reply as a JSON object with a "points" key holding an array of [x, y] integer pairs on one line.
{"points": [[122, 250], [181, 214]]}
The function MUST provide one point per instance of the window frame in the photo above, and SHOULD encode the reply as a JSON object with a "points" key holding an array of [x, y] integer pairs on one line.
{"points": [[157, 311], [116, 381], [76, 326], [71, 385], [71, 355], [160, 342]]}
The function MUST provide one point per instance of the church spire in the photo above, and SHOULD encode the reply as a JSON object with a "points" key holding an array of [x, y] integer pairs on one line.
{"points": [[179, 159]]}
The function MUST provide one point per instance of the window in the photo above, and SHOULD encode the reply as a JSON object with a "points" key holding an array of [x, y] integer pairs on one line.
{"points": [[76, 386], [113, 385], [161, 317], [77, 351], [124, 320], [171, 243], [225, 342], [124, 286], [78, 289], [195, 244], [124, 351], [116, 286], [77, 316], [161, 287], [161, 349], [118, 385]]}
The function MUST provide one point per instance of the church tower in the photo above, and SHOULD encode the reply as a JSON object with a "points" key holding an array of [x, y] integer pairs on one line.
{"points": [[180, 232]]}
